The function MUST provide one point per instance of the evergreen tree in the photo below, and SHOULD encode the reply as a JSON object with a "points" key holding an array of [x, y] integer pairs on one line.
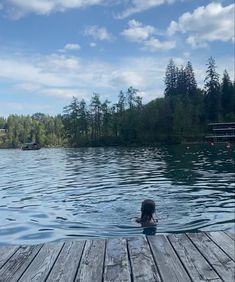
{"points": [[71, 120], [106, 117], [212, 89], [121, 111], [83, 118], [182, 115], [132, 97], [181, 82], [191, 84], [95, 116], [121, 102], [226, 95], [2, 123], [170, 79]]}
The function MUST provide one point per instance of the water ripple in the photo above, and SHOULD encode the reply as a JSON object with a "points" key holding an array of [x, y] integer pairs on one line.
{"points": [[55, 194]]}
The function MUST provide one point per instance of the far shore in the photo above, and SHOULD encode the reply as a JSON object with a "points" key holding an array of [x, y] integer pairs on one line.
{"points": [[124, 145]]}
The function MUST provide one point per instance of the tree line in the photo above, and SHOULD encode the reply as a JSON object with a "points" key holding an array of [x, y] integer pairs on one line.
{"points": [[182, 115], [43, 129]]}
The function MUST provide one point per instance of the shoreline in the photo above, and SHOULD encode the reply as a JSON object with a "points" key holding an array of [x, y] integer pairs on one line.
{"points": [[124, 145]]}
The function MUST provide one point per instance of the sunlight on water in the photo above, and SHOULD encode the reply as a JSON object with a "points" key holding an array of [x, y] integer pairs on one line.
{"points": [[52, 194]]}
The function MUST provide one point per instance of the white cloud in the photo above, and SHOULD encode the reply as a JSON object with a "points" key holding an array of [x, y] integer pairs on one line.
{"points": [[49, 76], [98, 33], [154, 45], [206, 24], [92, 44], [138, 6], [72, 47], [63, 76], [127, 78], [22, 70], [195, 43], [57, 63], [137, 32], [28, 86], [19, 8], [66, 93], [22, 108]]}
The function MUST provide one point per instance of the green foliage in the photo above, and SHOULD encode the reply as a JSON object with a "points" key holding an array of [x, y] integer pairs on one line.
{"points": [[212, 90], [40, 128], [181, 116], [227, 96], [2, 122]]}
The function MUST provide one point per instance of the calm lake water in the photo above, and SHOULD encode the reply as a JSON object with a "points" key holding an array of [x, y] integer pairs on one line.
{"points": [[55, 194]]}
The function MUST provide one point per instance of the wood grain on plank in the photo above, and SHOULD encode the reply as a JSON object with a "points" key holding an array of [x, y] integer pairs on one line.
{"points": [[230, 234], [117, 268], [196, 265], [18, 263], [67, 263], [6, 252], [39, 269], [224, 242], [92, 262], [142, 262], [223, 264], [169, 265]]}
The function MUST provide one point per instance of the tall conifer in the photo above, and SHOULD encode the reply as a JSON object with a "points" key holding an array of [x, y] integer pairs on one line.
{"points": [[212, 88]]}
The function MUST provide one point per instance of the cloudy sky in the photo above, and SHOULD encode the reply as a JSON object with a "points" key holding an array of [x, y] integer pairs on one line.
{"points": [[52, 50]]}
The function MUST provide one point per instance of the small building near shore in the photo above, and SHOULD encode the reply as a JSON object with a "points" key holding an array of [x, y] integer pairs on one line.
{"points": [[221, 132]]}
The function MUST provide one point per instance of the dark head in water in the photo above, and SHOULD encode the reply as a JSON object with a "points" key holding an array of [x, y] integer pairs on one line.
{"points": [[147, 210]]}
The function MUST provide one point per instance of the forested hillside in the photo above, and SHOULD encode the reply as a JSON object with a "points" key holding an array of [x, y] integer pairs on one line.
{"points": [[181, 115]]}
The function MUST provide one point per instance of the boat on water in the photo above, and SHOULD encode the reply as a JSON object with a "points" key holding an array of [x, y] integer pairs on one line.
{"points": [[30, 146]]}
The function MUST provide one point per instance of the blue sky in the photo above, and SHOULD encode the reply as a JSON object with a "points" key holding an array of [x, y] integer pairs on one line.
{"points": [[52, 50]]}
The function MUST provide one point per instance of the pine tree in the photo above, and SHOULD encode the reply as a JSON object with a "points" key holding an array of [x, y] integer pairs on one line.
{"points": [[181, 82], [95, 115], [83, 118], [226, 94], [71, 120], [212, 88], [105, 117], [121, 102], [170, 79], [131, 96], [191, 84]]}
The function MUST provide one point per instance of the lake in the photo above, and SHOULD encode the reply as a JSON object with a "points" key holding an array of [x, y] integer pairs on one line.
{"points": [[54, 194]]}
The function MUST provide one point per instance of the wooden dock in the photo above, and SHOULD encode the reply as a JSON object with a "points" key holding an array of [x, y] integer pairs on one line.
{"points": [[204, 256]]}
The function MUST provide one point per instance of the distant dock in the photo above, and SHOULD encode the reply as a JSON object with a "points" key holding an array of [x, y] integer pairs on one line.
{"points": [[204, 256], [222, 132]]}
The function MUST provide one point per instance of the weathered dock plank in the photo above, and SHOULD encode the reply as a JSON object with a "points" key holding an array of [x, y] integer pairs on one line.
{"points": [[197, 266], [117, 266], [168, 263], [6, 253], [92, 262], [40, 267], [230, 234], [222, 264], [18, 263], [142, 263], [194, 257], [224, 242], [67, 263]]}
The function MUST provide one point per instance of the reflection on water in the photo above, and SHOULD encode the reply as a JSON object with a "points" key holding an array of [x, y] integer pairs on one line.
{"points": [[151, 230], [94, 192]]}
